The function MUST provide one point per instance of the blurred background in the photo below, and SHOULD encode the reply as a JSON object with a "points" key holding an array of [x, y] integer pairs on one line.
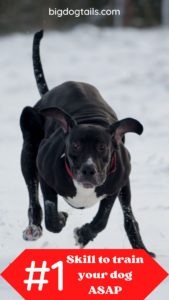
{"points": [[28, 15]]}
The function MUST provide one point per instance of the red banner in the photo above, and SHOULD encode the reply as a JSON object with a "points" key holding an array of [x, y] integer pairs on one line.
{"points": [[84, 274]]}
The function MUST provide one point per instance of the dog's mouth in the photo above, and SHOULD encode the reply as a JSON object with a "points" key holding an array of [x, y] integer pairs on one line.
{"points": [[87, 185], [89, 181]]}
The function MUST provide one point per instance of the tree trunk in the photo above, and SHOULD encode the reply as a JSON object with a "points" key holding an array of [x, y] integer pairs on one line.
{"points": [[165, 13]]}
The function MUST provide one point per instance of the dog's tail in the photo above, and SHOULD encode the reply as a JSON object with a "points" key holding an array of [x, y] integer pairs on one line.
{"points": [[37, 66]]}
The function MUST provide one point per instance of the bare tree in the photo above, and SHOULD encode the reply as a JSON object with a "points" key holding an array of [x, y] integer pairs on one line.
{"points": [[119, 21], [165, 13]]}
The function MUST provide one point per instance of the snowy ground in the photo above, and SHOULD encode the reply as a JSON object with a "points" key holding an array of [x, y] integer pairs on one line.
{"points": [[131, 70]]}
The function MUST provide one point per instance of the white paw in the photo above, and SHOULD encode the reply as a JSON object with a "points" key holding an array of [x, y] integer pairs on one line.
{"points": [[32, 233], [76, 237]]}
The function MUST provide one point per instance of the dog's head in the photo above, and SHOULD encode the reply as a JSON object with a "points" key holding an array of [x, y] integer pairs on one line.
{"points": [[89, 148]]}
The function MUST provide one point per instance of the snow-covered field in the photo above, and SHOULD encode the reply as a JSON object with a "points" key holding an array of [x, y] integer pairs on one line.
{"points": [[131, 70]]}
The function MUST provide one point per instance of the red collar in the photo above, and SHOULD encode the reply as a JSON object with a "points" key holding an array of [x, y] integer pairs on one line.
{"points": [[113, 163], [113, 166], [68, 169]]}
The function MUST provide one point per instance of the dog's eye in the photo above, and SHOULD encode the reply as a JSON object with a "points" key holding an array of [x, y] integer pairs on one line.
{"points": [[76, 146], [101, 147]]}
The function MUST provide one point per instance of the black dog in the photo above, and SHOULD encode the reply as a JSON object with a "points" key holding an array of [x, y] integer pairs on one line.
{"points": [[74, 145]]}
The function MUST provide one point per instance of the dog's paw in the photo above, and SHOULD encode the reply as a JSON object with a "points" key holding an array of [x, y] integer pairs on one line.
{"points": [[61, 220], [56, 223], [32, 233], [76, 237], [151, 254], [84, 235]]}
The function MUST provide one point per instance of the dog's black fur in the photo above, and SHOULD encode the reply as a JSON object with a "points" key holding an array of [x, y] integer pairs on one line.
{"points": [[71, 136]]}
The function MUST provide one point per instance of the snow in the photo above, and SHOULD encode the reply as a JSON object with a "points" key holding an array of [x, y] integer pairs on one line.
{"points": [[130, 69]]}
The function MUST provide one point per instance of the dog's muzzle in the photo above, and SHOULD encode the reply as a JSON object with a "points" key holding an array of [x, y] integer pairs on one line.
{"points": [[89, 177]]}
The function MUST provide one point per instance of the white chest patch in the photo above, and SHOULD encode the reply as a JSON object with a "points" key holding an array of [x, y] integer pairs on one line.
{"points": [[84, 197]]}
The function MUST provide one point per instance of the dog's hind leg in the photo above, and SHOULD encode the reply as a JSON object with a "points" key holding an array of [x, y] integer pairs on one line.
{"points": [[54, 220], [31, 126], [130, 223]]}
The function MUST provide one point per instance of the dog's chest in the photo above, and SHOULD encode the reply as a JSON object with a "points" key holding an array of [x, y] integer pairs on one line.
{"points": [[84, 198]]}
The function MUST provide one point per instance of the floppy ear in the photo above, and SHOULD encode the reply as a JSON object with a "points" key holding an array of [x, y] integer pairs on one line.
{"points": [[65, 120], [119, 128]]}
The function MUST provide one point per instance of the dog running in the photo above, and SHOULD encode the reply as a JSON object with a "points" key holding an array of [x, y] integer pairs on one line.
{"points": [[74, 146]]}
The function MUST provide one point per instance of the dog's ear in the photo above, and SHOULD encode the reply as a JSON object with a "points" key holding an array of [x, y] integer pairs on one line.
{"points": [[65, 120], [119, 128]]}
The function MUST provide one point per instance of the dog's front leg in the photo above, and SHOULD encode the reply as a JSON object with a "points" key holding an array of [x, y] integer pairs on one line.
{"points": [[54, 220], [89, 231], [130, 223]]}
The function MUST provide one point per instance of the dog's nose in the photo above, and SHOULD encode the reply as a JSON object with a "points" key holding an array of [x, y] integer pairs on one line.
{"points": [[88, 171]]}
